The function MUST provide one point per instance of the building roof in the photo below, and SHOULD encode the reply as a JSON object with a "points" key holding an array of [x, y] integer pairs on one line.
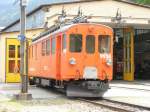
{"points": [[71, 2]]}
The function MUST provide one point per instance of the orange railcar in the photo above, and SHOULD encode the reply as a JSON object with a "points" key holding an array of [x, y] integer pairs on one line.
{"points": [[76, 57]]}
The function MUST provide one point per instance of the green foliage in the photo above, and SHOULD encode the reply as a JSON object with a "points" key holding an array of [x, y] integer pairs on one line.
{"points": [[146, 2]]}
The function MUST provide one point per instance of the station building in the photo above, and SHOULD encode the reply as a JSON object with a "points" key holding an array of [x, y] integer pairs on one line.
{"points": [[130, 21]]}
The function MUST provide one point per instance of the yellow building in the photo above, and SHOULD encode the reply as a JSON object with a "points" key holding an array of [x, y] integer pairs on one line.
{"points": [[10, 45], [10, 54], [126, 18]]}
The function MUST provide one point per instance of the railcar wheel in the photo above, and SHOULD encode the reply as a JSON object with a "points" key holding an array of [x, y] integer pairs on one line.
{"points": [[31, 81]]}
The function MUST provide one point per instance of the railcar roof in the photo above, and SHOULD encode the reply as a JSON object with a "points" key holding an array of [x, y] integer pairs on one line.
{"points": [[64, 28]]}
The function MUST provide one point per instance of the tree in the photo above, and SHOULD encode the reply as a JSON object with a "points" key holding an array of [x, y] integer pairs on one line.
{"points": [[146, 2]]}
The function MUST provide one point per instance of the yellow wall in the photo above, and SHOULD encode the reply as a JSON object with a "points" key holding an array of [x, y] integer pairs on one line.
{"points": [[29, 34]]}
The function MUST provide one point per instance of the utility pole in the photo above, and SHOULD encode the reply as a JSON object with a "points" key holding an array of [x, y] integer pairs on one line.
{"points": [[23, 53]]}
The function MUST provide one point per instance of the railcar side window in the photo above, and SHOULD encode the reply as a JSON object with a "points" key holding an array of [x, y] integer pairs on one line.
{"points": [[48, 47], [104, 43], [90, 43], [53, 45], [43, 48], [75, 43], [64, 42], [32, 51], [35, 51]]}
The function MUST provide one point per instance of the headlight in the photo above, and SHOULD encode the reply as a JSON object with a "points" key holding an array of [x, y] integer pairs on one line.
{"points": [[109, 62], [72, 61]]}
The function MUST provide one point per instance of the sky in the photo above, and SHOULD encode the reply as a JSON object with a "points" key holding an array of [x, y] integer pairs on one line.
{"points": [[6, 2]]}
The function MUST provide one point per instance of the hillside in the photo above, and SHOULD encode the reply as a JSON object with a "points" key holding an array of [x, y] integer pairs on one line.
{"points": [[10, 12]]}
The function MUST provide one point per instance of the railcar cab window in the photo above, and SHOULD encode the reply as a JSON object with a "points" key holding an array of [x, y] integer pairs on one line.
{"points": [[90, 44], [64, 42], [53, 46], [104, 43], [75, 43]]}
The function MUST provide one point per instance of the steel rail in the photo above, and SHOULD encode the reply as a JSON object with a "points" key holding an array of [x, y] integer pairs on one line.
{"points": [[114, 108], [128, 104]]}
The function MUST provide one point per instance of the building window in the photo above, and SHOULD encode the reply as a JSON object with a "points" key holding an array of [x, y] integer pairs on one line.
{"points": [[104, 43], [12, 50], [43, 48], [48, 47], [18, 66], [90, 44], [18, 51], [53, 45], [64, 42], [75, 43], [11, 66]]}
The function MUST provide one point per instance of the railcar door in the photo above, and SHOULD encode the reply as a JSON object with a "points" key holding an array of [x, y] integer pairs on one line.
{"points": [[90, 70], [12, 60], [58, 57]]}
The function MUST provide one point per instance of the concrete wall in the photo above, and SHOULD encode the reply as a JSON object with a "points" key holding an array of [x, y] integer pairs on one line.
{"points": [[103, 11], [3, 36]]}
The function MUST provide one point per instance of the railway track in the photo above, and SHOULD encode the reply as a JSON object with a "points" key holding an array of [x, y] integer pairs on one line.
{"points": [[117, 106]]}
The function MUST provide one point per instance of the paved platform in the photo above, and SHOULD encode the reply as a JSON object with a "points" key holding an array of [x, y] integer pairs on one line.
{"points": [[136, 92], [8, 90]]}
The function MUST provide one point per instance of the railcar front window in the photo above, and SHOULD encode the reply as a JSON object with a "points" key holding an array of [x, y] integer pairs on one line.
{"points": [[75, 43], [90, 44], [104, 43]]}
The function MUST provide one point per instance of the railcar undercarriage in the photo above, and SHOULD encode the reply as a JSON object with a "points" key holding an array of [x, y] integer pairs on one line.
{"points": [[79, 88]]}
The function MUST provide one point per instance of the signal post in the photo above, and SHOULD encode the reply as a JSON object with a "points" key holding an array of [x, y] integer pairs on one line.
{"points": [[23, 95]]}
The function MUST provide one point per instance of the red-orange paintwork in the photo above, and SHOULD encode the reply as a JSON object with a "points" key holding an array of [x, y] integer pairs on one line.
{"points": [[57, 66]]}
